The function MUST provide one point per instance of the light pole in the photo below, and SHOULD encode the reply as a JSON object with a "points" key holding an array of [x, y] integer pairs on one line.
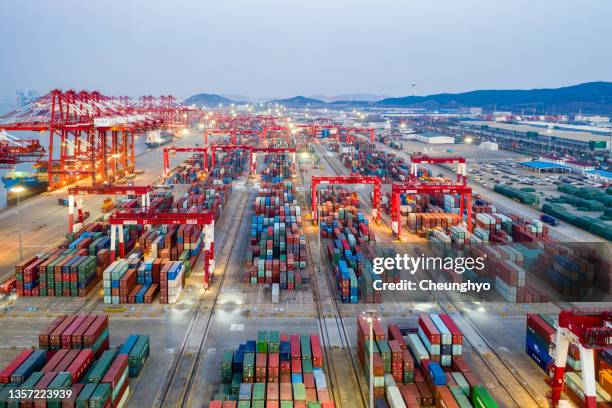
{"points": [[18, 190], [370, 315]]}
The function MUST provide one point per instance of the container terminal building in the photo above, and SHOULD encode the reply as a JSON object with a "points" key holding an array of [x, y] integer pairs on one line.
{"points": [[534, 139]]}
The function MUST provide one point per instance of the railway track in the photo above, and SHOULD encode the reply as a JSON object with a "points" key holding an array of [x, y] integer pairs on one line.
{"points": [[339, 326], [507, 365], [176, 391]]}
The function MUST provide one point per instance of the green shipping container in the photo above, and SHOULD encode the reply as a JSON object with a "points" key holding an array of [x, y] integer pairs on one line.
{"points": [[299, 392], [100, 368], [482, 399], [100, 396], [85, 394], [5, 393], [262, 341], [259, 392], [63, 381], [461, 399]]}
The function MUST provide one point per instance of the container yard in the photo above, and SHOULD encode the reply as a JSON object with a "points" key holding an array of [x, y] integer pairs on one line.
{"points": [[222, 240], [263, 206]]}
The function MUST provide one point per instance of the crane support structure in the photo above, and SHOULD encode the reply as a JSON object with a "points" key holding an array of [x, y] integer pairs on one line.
{"points": [[77, 193], [205, 218], [231, 132], [352, 179], [350, 132], [416, 159], [183, 149], [589, 330], [422, 188]]}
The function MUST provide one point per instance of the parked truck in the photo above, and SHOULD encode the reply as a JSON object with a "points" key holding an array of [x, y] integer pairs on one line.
{"points": [[549, 220]]}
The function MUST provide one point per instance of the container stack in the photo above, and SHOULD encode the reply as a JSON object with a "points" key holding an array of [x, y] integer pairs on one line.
{"points": [[132, 280], [278, 167], [278, 243], [74, 268], [191, 170], [367, 160], [276, 370], [540, 340], [74, 355], [351, 246], [171, 281], [439, 379]]}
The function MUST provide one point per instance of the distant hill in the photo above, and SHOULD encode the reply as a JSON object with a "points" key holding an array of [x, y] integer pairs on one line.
{"points": [[209, 100], [300, 102], [591, 97], [588, 98], [365, 97]]}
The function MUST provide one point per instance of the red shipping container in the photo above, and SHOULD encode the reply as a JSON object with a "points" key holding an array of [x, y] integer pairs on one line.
{"points": [[429, 328], [81, 364], [55, 338], [77, 336], [5, 375], [54, 360], [452, 327], [66, 338], [71, 402], [42, 384], [70, 356]]}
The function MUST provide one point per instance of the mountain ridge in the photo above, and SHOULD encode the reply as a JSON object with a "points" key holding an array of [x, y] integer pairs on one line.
{"points": [[588, 98]]}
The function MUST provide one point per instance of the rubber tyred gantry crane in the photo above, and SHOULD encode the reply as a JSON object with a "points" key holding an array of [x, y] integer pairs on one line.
{"points": [[77, 193], [271, 150], [286, 130], [231, 132], [205, 218], [418, 158], [589, 330], [350, 133], [352, 179], [183, 149], [411, 188]]}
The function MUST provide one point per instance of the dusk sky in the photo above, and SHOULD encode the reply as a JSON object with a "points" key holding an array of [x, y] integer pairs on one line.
{"points": [[285, 48]]}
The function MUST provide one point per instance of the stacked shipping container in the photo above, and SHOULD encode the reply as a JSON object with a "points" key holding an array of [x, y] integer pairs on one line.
{"points": [[274, 371], [74, 355], [423, 368]]}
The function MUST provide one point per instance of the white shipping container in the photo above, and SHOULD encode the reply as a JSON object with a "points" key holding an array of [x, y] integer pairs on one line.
{"points": [[394, 397]]}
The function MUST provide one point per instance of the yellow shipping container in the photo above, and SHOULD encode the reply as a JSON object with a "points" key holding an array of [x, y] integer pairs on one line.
{"points": [[605, 380]]}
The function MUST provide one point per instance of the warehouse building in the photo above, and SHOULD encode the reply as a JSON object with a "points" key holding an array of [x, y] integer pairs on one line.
{"points": [[545, 167], [531, 138], [434, 138]]}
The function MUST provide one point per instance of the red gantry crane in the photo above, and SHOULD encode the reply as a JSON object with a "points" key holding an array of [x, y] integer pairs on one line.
{"points": [[352, 179], [90, 134], [411, 188], [350, 132], [205, 218], [589, 330], [183, 149], [334, 130], [77, 194], [419, 158]]}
